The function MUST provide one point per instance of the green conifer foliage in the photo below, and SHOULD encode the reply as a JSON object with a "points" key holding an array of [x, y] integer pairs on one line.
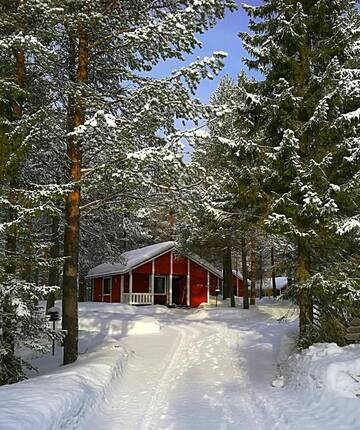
{"points": [[308, 123]]}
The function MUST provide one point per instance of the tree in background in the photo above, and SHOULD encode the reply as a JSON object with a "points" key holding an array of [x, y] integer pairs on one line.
{"points": [[231, 162]]}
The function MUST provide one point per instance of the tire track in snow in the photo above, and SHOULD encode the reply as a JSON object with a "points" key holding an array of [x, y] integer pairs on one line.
{"points": [[239, 411], [185, 374], [158, 402], [129, 396]]}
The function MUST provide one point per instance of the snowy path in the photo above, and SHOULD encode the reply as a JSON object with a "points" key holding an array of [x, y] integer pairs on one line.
{"points": [[206, 369], [194, 373]]}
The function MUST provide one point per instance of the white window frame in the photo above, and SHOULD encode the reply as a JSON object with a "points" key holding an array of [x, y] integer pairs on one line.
{"points": [[164, 277]]}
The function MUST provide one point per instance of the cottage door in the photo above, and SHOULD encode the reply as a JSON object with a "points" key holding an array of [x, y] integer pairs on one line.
{"points": [[179, 290]]}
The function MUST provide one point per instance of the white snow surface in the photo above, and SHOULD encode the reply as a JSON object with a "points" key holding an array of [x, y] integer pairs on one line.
{"points": [[211, 368]]}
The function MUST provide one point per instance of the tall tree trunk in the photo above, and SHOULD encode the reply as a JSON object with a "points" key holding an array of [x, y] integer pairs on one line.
{"points": [[76, 117], [53, 278], [28, 251], [273, 275], [253, 269], [305, 299], [261, 275], [245, 274], [228, 290]]}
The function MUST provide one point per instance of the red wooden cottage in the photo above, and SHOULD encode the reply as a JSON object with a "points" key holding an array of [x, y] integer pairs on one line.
{"points": [[158, 274]]}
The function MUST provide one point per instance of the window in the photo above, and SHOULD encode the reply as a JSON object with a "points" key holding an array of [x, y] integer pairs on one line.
{"points": [[106, 286], [159, 285]]}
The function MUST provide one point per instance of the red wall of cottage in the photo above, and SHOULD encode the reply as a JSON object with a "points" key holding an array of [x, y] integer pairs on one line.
{"points": [[126, 283], [140, 283], [97, 294], [145, 268], [116, 289], [241, 288], [179, 265], [162, 264], [198, 282]]}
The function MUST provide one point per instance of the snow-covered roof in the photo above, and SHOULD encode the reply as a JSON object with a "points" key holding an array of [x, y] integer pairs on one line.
{"points": [[137, 257], [280, 281], [237, 274]]}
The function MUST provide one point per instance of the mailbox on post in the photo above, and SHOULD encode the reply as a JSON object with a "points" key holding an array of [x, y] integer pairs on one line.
{"points": [[54, 315]]}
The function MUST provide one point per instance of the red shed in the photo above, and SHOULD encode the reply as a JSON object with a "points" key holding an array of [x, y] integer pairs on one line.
{"points": [[158, 274]]}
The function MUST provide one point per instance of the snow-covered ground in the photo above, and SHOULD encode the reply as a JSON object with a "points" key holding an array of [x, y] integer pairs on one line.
{"points": [[211, 368]]}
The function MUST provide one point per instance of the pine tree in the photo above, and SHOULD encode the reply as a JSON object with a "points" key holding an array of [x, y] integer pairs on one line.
{"points": [[114, 110]]}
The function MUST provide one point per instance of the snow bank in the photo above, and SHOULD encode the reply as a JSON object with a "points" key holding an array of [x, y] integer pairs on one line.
{"points": [[58, 400], [61, 397], [330, 368], [322, 390]]}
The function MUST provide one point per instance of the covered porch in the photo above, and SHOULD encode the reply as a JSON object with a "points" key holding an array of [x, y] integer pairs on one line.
{"points": [[143, 289]]}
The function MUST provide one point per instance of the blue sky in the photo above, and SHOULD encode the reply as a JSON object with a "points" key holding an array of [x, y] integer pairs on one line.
{"points": [[223, 37]]}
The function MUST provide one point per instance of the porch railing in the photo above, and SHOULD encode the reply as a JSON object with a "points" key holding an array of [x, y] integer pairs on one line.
{"points": [[137, 298]]}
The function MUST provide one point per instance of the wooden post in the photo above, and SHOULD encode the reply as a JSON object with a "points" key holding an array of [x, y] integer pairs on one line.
{"points": [[130, 286], [152, 281]]}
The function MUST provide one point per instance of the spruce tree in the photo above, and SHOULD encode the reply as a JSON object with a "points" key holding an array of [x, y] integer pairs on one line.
{"points": [[232, 159], [308, 123]]}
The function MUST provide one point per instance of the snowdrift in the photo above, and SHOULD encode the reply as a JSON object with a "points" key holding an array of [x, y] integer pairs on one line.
{"points": [[329, 368], [58, 400]]}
